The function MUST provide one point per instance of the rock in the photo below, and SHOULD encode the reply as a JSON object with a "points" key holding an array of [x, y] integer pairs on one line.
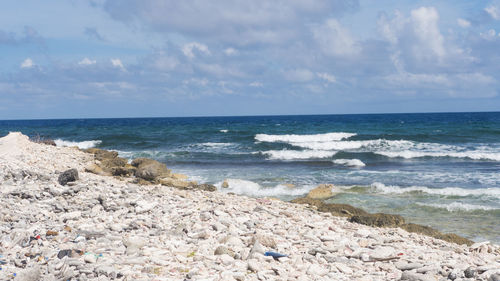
{"points": [[51, 233], [412, 276], [379, 220], [222, 250], [317, 270], [179, 176], [323, 191], [70, 175], [226, 259], [253, 265], [101, 154], [256, 249], [429, 231], [343, 210], [225, 184], [265, 240], [29, 274], [343, 268], [469, 272], [89, 258], [175, 183], [149, 169], [94, 169], [408, 266], [133, 244], [494, 277], [205, 187]]}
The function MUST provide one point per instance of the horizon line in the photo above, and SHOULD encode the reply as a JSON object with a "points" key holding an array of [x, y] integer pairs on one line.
{"points": [[257, 115]]}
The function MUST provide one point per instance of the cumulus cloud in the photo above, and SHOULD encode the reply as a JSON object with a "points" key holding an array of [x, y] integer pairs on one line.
{"points": [[87, 61], [493, 11], [27, 63], [188, 49], [117, 63], [463, 23], [334, 39], [425, 24]]}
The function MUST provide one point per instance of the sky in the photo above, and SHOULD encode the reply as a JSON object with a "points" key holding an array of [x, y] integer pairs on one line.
{"points": [[160, 58]]}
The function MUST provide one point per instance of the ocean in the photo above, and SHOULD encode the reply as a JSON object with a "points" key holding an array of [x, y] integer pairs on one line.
{"points": [[435, 169]]}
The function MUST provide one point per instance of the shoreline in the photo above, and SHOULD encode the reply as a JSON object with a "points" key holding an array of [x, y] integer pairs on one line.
{"points": [[170, 233]]}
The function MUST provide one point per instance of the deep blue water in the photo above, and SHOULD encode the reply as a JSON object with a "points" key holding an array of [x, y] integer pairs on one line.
{"points": [[440, 169]]}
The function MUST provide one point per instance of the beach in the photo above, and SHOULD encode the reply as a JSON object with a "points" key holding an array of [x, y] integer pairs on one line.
{"points": [[102, 227]]}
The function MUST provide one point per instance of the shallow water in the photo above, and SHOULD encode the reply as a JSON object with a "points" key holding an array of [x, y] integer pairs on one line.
{"points": [[440, 170]]}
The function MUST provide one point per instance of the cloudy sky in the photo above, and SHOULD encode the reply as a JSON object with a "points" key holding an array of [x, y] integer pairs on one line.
{"points": [[132, 58]]}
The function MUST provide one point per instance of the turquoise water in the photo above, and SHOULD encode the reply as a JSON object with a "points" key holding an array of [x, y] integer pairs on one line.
{"points": [[437, 169]]}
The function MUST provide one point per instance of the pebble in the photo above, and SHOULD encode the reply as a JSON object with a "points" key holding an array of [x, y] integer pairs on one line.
{"points": [[153, 232]]}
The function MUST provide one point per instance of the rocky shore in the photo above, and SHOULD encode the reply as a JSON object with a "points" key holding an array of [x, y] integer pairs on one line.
{"points": [[105, 224]]}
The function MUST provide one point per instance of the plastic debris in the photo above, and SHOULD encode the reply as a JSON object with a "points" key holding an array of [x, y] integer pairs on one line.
{"points": [[275, 255]]}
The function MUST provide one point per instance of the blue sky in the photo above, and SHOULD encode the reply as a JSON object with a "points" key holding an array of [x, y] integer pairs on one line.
{"points": [[134, 58]]}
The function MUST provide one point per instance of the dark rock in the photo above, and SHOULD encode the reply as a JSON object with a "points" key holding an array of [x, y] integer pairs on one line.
{"points": [[494, 277], [469, 272], [429, 231], [101, 154], [452, 276], [379, 220], [150, 169], [342, 210], [206, 187], [68, 176]]}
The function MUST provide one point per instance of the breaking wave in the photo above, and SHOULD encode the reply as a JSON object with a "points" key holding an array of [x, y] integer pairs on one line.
{"points": [[447, 191], [81, 144], [349, 162], [297, 154], [303, 138], [251, 188], [458, 206]]}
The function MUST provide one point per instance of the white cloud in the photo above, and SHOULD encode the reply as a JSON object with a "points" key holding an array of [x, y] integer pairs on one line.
{"points": [[187, 49], [334, 39], [425, 25], [463, 23], [256, 84], [489, 35], [117, 63], [327, 77], [86, 61], [493, 11], [27, 63], [231, 52], [299, 75], [391, 29]]}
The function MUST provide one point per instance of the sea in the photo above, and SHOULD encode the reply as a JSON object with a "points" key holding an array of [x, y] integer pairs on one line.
{"points": [[436, 169]]}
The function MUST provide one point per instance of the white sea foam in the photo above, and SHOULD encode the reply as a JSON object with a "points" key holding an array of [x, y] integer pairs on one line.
{"points": [[475, 155], [447, 191], [458, 206], [251, 188], [349, 162], [217, 144], [224, 131], [296, 154], [303, 138], [81, 144]]}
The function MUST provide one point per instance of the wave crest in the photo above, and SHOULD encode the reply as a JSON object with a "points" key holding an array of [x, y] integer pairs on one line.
{"points": [[297, 154], [447, 191], [303, 138], [80, 144]]}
